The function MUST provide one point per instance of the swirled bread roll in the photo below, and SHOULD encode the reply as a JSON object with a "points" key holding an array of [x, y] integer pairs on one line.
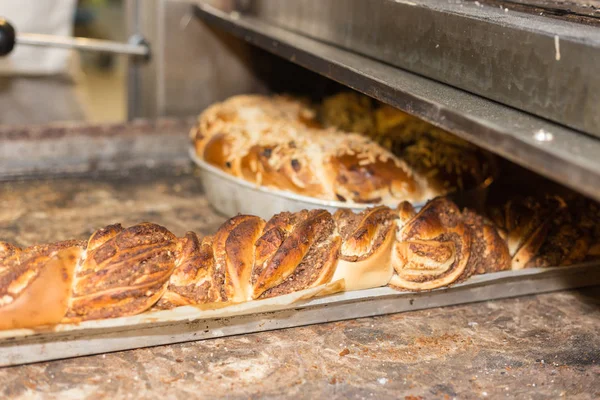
{"points": [[276, 142], [195, 279], [433, 247], [233, 247], [366, 250], [524, 224], [249, 259], [127, 271], [488, 250], [305, 257]]}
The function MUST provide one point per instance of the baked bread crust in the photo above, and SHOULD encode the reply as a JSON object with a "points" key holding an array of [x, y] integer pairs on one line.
{"points": [[490, 249], [35, 283], [126, 271], [194, 280], [433, 248], [365, 254], [276, 142], [547, 231]]}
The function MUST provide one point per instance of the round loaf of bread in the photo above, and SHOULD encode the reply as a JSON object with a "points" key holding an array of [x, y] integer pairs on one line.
{"points": [[276, 142]]}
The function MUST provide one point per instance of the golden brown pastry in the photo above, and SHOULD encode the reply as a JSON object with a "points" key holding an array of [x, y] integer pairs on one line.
{"points": [[446, 161], [276, 142], [360, 171], [233, 249], [195, 279], [124, 271], [540, 232], [295, 252], [284, 167], [35, 283], [489, 252], [240, 121], [366, 250], [121, 272], [433, 247], [249, 259]]}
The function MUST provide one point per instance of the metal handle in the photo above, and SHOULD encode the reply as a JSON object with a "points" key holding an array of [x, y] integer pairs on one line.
{"points": [[7, 37], [137, 46]]}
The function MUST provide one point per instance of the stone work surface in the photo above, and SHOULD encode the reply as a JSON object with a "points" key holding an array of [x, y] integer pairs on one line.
{"points": [[51, 210], [537, 347]]}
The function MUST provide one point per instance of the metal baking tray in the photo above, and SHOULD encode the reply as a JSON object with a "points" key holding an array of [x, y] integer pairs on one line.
{"points": [[185, 324], [230, 195]]}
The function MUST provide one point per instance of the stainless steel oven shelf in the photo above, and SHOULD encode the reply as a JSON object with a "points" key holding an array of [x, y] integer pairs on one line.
{"points": [[547, 67], [563, 154]]}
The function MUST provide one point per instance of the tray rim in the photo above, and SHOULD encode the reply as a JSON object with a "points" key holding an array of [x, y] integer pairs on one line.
{"points": [[313, 201], [350, 305], [300, 302]]}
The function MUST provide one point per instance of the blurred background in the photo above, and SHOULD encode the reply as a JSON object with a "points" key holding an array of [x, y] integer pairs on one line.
{"points": [[40, 85], [102, 80]]}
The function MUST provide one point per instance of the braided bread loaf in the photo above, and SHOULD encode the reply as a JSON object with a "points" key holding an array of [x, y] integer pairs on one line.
{"points": [[121, 272], [440, 245]]}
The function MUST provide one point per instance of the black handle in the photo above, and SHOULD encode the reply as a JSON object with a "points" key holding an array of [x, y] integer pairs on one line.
{"points": [[7, 37]]}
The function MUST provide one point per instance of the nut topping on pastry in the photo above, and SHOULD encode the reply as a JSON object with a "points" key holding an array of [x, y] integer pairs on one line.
{"points": [[124, 271], [433, 248], [270, 141]]}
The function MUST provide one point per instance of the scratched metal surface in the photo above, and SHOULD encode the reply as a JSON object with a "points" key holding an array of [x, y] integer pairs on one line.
{"points": [[580, 11], [551, 73], [535, 347]]}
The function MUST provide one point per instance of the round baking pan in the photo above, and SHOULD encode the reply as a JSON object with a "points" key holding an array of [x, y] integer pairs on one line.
{"points": [[230, 195]]}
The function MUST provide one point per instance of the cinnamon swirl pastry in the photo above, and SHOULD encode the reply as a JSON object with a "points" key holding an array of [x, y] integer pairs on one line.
{"points": [[127, 271], [306, 256], [365, 254], [195, 279], [488, 249], [123, 272], [433, 247]]}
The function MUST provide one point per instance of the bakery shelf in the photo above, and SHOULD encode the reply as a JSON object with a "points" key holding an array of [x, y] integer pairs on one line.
{"points": [[560, 153]]}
